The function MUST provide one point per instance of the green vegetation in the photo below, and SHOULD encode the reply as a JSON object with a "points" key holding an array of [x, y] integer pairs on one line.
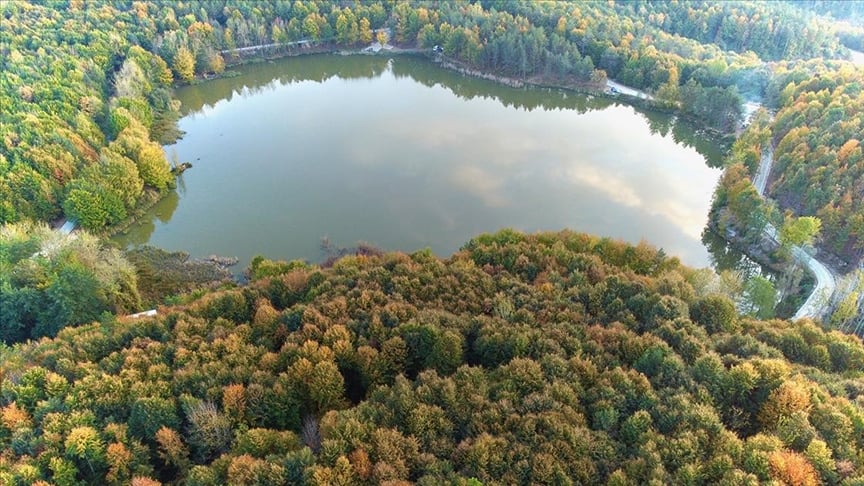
{"points": [[557, 358], [162, 274], [80, 100], [818, 170], [553, 358], [49, 280], [819, 164]]}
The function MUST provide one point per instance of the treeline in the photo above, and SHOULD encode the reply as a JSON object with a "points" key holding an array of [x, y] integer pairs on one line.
{"points": [[86, 84], [852, 10], [772, 30], [552, 358], [561, 40], [80, 102]]}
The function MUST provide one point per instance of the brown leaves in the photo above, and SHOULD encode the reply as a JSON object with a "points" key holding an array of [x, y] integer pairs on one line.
{"points": [[792, 469]]}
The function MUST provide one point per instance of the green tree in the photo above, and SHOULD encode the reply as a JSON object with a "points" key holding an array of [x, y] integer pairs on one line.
{"points": [[715, 313], [153, 167], [84, 446], [799, 231], [150, 414], [347, 32], [184, 64], [760, 297]]}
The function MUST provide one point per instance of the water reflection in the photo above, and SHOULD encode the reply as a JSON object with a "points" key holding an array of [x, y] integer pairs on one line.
{"points": [[256, 78], [162, 211], [411, 156], [725, 257]]}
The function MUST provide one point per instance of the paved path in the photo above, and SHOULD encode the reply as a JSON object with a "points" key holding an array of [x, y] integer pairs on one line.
{"points": [[816, 305], [301, 42], [761, 179], [627, 90]]}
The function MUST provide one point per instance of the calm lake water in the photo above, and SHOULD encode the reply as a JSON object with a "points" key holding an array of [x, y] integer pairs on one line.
{"points": [[404, 155]]}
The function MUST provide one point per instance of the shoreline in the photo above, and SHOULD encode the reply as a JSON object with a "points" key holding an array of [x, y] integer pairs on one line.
{"points": [[591, 89]]}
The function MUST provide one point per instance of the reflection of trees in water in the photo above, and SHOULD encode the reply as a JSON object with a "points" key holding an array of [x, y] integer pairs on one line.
{"points": [[532, 98], [725, 257], [684, 133], [658, 123], [139, 233], [165, 208], [258, 77], [469, 88]]}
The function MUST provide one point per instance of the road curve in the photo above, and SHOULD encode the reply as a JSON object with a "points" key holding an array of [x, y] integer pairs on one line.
{"points": [[816, 305]]}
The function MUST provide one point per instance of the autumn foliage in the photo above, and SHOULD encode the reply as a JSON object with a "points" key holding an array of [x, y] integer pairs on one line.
{"points": [[521, 359]]}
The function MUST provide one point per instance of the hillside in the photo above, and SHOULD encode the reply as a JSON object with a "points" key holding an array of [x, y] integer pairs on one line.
{"points": [[522, 359], [549, 358]]}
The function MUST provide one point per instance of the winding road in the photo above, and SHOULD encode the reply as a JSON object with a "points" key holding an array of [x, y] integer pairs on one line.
{"points": [[817, 303], [819, 300]]}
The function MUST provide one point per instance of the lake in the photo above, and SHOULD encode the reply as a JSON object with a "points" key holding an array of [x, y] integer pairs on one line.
{"points": [[404, 155]]}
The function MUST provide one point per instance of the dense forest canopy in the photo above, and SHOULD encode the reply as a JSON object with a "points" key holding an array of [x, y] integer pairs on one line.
{"points": [[551, 358]]}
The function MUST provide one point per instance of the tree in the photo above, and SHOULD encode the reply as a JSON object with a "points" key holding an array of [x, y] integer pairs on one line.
{"points": [[210, 430], [365, 31], [153, 167], [799, 231], [381, 37], [311, 29], [326, 386], [760, 297], [130, 81], [792, 468], [150, 414], [215, 62], [184, 64], [87, 207], [715, 313], [347, 32], [171, 449], [788, 398], [72, 297], [84, 446]]}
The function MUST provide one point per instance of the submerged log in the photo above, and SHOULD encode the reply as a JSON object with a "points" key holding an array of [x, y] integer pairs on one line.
{"points": [[179, 169]]}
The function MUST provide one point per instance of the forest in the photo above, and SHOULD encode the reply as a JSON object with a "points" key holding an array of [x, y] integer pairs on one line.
{"points": [[554, 358]]}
